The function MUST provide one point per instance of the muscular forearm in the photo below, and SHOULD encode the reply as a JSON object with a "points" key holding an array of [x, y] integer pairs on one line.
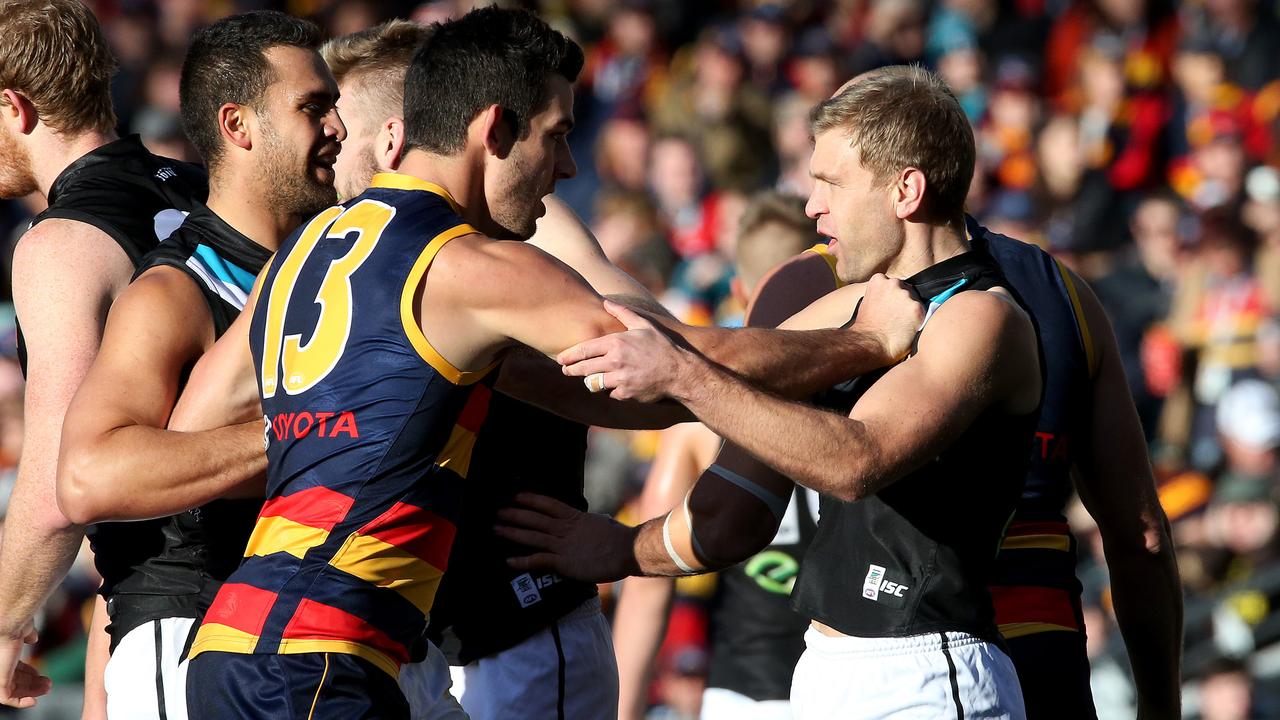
{"points": [[137, 472], [35, 555], [640, 623], [1148, 602], [829, 456], [794, 364]]}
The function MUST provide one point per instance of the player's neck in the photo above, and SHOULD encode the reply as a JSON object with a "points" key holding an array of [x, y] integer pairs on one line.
{"points": [[926, 245], [248, 214], [56, 151], [461, 178]]}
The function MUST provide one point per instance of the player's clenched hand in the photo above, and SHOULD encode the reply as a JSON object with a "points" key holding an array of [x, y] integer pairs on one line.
{"points": [[891, 312], [20, 684], [584, 546], [639, 364]]}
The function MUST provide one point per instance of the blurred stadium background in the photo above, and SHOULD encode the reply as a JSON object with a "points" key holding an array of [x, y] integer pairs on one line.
{"points": [[1137, 140]]}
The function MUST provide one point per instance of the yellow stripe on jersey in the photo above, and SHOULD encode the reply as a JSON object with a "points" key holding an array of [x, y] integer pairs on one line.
{"points": [[1086, 337], [456, 455], [216, 637], [410, 322], [385, 565], [1015, 630], [822, 251], [1037, 542], [275, 534], [400, 181]]}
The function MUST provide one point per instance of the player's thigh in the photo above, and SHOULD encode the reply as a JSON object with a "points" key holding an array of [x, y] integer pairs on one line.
{"points": [[309, 686], [146, 676], [1053, 669]]}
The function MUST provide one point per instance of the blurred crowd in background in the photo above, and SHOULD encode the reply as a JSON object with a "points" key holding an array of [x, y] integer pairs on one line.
{"points": [[1137, 140]]}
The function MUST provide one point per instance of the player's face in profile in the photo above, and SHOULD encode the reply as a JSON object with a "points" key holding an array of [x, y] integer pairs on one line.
{"points": [[851, 208], [17, 178], [301, 132], [357, 163], [529, 173]]}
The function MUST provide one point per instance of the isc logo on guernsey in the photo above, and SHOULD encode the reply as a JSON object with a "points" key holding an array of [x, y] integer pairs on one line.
{"points": [[301, 424]]}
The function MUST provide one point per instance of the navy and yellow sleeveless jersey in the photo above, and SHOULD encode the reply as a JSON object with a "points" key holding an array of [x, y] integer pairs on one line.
{"points": [[1034, 588], [369, 433]]}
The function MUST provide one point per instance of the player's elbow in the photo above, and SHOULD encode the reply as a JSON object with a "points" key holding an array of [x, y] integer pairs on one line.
{"points": [[78, 488]]}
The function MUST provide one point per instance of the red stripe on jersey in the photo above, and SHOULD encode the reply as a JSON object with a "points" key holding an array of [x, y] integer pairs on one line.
{"points": [[1037, 528], [1026, 603], [317, 507], [317, 621], [240, 606], [477, 407], [419, 532]]}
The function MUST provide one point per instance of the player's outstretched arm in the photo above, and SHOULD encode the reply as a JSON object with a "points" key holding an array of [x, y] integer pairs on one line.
{"points": [[980, 350], [1116, 484], [792, 364], [735, 505], [65, 274], [118, 462]]}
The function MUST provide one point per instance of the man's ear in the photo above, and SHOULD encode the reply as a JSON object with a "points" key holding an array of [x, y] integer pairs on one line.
{"points": [[389, 144], [497, 130], [236, 125], [18, 112], [908, 192]]}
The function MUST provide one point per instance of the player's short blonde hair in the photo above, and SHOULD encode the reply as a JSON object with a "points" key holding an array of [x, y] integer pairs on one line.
{"points": [[374, 62], [53, 53], [789, 232], [905, 116]]}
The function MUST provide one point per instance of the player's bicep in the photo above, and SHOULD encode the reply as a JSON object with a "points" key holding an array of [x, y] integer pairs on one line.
{"points": [[1115, 480], [969, 359], [147, 345], [65, 275], [833, 310], [538, 301]]}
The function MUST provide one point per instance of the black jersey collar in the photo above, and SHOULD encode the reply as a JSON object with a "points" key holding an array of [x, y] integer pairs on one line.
{"points": [[127, 146], [230, 243]]}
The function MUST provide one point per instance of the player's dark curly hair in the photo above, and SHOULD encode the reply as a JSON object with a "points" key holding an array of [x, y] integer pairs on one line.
{"points": [[491, 56], [227, 63]]}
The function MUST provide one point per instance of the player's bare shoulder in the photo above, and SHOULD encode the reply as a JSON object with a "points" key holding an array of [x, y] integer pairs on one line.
{"points": [[990, 332]]}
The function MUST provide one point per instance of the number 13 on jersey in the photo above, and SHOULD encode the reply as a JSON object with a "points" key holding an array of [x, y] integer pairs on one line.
{"points": [[305, 365]]}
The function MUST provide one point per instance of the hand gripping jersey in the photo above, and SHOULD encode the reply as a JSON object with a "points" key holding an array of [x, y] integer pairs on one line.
{"points": [[134, 197], [915, 557], [369, 433], [170, 567]]}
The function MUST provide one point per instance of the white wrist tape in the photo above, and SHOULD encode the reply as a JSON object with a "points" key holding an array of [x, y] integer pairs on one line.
{"points": [[671, 550]]}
